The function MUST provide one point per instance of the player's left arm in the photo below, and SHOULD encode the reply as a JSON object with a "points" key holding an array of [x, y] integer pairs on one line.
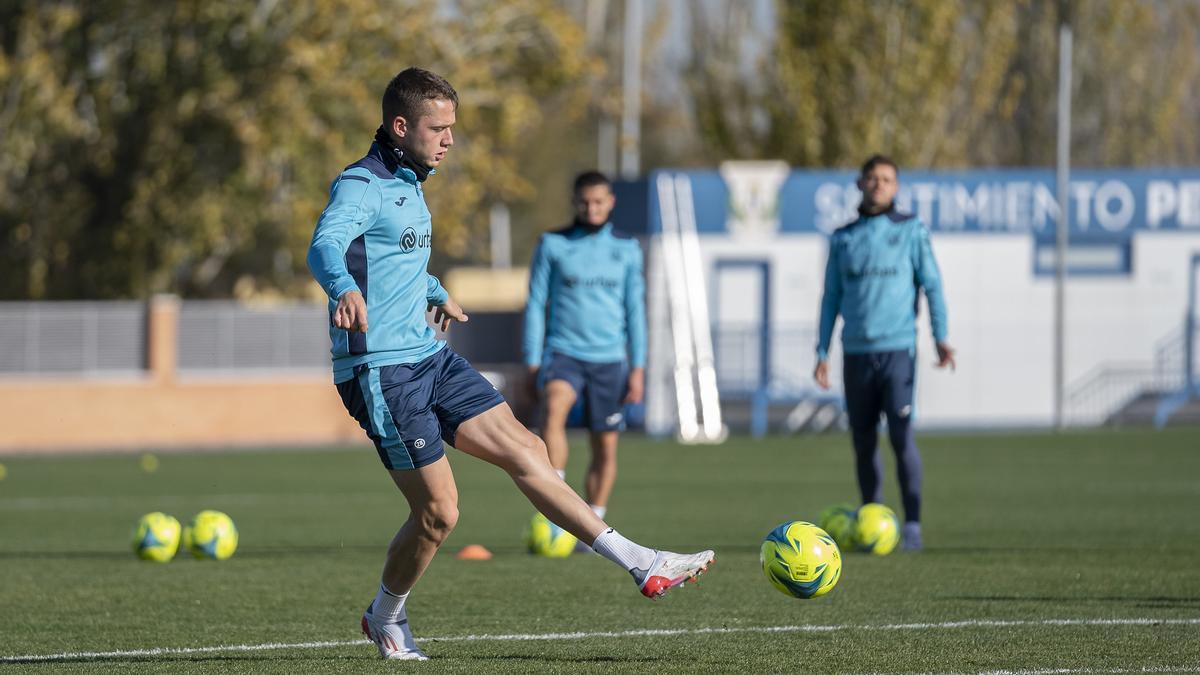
{"points": [[929, 278], [447, 309], [635, 324]]}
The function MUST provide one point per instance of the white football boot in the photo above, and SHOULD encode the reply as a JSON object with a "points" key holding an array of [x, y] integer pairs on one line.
{"points": [[394, 640], [672, 569]]}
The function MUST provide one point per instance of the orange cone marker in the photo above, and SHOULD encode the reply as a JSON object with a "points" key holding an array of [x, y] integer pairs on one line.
{"points": [[473, 552]]}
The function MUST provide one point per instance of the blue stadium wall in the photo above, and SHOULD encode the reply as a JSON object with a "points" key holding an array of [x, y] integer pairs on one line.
{"points": [[1133, 235]]}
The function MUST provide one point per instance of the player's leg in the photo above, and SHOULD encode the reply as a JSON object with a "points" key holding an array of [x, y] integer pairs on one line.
{"points": [[602, 470], [605, 393], [899, 376], [863, 408], [476, 420], [393, 404], [600, 477], [558, 397], [496, 437], [564, 380], [433, 511]]}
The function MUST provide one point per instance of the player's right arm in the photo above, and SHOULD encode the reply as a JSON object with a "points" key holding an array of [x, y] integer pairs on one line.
{"points": [[535, 310], [353, 206], [535, 306], [830, 302]]}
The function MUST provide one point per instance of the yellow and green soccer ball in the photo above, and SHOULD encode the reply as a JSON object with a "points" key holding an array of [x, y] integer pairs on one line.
{"points": [[211, 535], [544, 538], [841, 522], [877, 530], [801, 560], [156, 537]]}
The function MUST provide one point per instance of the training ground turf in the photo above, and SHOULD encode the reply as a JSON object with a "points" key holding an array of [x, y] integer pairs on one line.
{"points": [[1045, 553]]}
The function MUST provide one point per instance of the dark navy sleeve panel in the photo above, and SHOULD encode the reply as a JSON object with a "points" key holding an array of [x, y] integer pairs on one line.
{"points": [[534, 337], [373, 166], [635, 303], [928, 277], [831, 300], [354, 202]]}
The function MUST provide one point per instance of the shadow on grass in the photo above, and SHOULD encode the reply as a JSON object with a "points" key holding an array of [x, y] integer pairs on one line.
{"points": [[1141, 601], [272, 552]]}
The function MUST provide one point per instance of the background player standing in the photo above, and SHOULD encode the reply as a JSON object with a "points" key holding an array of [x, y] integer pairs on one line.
{"points": [[585, 332], [875, 268], [410, 392]]}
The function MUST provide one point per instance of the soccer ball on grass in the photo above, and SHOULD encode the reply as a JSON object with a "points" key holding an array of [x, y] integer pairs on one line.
{"points": [[877, 530], [156, 537], [841, 522], [544, 538], [211, 535], [801, 560]]}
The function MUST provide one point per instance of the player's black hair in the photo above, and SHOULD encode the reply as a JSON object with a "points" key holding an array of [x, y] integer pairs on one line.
{"points": [[589, 179], [407, 93], [874, 161]]}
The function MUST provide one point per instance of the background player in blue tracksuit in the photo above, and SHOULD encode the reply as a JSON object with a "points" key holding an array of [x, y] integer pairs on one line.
{"points": [[876, 266], [410, 392], [585, 331]]}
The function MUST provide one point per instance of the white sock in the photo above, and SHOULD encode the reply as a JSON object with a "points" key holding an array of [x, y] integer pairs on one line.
{"points": [[599, 510], [388, 607], [635, 558], [562, 473]]}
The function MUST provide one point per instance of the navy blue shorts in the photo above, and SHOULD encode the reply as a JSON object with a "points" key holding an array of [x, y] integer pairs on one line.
{"points": [[409, 409], [878, 383], [600, 386]]}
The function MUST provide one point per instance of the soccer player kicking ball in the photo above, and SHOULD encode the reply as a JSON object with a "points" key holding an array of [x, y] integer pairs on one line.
{"points": [[410, 392], [876, 266], [585, 332]]}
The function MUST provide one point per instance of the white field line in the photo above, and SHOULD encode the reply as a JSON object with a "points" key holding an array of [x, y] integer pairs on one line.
{"points": [[1099, 670], [648, 632]]}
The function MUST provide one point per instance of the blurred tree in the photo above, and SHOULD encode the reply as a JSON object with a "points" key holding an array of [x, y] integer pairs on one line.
{"points": [[913, 78], [949, 83], [1135, 102], [188, 146]]}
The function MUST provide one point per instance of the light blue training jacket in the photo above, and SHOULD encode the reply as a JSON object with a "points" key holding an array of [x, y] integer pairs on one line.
{"points": [[374, 237], [587, 297], [875, 268]]}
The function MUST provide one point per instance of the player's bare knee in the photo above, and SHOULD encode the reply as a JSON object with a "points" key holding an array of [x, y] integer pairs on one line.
{"points": [[438, 518], [528, 455], [604, 461]]}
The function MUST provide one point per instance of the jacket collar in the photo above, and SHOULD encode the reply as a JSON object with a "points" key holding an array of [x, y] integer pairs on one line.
{"points": [[400, 165], [891, 208], [583, 230]]}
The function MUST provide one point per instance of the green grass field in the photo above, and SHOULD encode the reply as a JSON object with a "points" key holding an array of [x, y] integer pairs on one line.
{"points": [[1045, 553]]}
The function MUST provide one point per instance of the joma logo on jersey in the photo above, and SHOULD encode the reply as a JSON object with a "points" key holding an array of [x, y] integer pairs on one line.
{"points": [[411, 241]]}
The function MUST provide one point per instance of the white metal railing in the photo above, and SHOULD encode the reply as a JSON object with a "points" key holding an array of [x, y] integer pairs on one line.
{"points": [[45, 338], [223, 335]]}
